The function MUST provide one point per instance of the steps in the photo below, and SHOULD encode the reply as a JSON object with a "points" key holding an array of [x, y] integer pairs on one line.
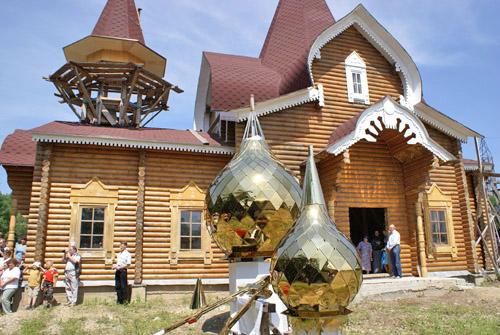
{"points": [[397, 287]]}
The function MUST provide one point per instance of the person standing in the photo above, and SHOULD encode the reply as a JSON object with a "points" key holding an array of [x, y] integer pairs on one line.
{"points": [[377, 246], [123, 261], [34, 282], [394, 250], [365, 252], [20, 249], [71, 274], [9, 283], [50, 275]]}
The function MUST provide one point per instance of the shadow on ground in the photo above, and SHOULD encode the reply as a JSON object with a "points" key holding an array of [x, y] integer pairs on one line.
{"points": [[215, 323]]}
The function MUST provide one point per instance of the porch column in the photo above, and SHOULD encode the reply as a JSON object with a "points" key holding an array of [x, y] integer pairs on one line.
{"points": [[139, 232], [421, 237], [12, 225], [43, 205]]}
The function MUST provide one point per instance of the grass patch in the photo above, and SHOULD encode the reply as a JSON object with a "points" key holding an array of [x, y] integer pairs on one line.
{"points": [[34, 326], [73, 327], [428, 319]]}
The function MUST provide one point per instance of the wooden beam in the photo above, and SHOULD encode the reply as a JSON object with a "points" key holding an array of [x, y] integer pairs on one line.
{"points": [[65, 98], [43, 204], [111, 118], [84, 91], [139, 231], [138, 110], [12, 225]]}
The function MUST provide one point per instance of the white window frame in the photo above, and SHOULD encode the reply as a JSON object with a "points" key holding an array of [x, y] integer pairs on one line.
{"points": [[355, 64]]}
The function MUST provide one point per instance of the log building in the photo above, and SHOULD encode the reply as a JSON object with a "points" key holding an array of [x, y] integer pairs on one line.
{"points": [[385, 156]]}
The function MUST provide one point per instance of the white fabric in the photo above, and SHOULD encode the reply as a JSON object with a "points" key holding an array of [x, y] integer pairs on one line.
{"points": [[123, 259], [69, 265], [9, 274], [394, 239], [250, 322]]}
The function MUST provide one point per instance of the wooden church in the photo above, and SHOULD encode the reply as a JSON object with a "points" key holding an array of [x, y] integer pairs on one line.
{"points": [[347, 86]]}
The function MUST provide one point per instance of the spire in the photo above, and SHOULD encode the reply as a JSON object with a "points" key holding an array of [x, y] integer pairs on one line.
{"points": [[253, 127], [312, 193], [120, 19], [295, 26]]}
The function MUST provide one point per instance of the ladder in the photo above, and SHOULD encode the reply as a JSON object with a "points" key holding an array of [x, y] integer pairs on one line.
{"points": [[488, 208]]}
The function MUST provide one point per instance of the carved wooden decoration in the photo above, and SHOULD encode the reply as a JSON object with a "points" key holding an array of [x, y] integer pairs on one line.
{"points": [[43, 204], [93, 194], [191, 197], [139, 233]]}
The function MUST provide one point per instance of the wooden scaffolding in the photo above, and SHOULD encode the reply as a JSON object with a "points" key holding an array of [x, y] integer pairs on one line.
{"points": [[112, 93]]}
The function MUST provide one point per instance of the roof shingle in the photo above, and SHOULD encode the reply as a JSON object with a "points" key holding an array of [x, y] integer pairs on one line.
{"points": [[119, 18], [19, 149], [282, 65]]}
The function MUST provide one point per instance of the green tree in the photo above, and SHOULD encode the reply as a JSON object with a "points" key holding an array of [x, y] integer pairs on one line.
{"points": [[5, 207]]}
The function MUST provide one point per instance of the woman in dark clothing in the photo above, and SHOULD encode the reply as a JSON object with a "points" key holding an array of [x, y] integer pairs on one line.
{"points": [[377, 247]]}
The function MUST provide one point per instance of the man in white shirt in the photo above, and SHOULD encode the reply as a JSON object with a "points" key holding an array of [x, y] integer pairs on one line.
{"points": [[9, 282], [394, 250], [71, 274], [123, 260]]}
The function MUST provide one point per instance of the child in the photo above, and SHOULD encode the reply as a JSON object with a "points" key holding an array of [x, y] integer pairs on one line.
{"points": [[34, 280], [50, 275]]}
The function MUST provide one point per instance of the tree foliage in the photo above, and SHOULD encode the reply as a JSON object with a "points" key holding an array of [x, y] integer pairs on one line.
{"points": [[5, 207]]}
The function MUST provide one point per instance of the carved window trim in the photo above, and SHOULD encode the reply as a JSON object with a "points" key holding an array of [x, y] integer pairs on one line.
{"points": [[94, 194], [190, 197], [436, 199], [355, 66]]}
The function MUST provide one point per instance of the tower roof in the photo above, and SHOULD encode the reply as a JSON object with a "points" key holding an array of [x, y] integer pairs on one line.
{"points": [[282, 65], [119, 19], [295, 26]]}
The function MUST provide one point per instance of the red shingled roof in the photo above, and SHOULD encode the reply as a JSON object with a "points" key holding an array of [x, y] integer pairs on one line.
{"points": [[343, 130], [119, 18], [234, 78], [282, 65], [18, 149], [134, 134]]}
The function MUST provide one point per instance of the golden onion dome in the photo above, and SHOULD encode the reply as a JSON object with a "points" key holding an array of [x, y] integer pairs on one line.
{"points": [[253, 202], [315, 269]]}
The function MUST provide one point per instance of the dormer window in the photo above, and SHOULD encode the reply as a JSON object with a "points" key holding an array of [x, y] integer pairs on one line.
{"points": [[357, 82]]}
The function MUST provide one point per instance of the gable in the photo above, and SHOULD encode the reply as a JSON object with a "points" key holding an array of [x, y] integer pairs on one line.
{"points": [[330, 71]]}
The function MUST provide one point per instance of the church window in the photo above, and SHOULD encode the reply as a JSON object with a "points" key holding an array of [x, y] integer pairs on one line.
{"points": [[357, 82]]}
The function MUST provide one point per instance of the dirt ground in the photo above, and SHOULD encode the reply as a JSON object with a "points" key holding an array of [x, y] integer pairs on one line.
{"points": [[472, 311]]}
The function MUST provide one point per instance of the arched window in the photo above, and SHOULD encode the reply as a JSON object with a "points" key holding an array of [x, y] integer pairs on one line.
{"points": [[357, 82]]}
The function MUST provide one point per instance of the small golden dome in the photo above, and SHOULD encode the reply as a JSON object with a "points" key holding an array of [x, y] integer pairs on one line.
{"points": [[254, 201], [315, 269]]}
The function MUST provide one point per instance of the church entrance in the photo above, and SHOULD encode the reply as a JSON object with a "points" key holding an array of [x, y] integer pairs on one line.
{"points": [[365, 221]]}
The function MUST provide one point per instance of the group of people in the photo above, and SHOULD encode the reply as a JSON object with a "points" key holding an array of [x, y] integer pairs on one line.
{"points": [[41, 280], [381, 254]]}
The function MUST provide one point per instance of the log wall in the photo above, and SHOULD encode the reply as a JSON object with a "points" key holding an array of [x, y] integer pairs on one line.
{"points": [[118, 168], [20, 179], [289, 132]]}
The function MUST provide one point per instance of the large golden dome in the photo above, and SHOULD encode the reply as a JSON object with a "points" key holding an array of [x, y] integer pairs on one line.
{"points": [[315, 269], [254, 201]]}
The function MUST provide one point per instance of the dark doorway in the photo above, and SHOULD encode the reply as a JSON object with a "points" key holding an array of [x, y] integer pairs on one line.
{"points": [[364, 222]]}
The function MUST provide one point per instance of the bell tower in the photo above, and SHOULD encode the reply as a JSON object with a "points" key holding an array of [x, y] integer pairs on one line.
{"points": [[111, 77]]}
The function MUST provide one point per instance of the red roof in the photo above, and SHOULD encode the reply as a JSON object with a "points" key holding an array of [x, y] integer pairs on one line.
{"points": [[234, 78], [119, 18], [18, 149], [343, 130], [282, 65], [134, 134]]}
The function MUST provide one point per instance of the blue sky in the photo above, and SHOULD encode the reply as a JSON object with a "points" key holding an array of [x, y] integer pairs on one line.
{"points": [[455, 43]]}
